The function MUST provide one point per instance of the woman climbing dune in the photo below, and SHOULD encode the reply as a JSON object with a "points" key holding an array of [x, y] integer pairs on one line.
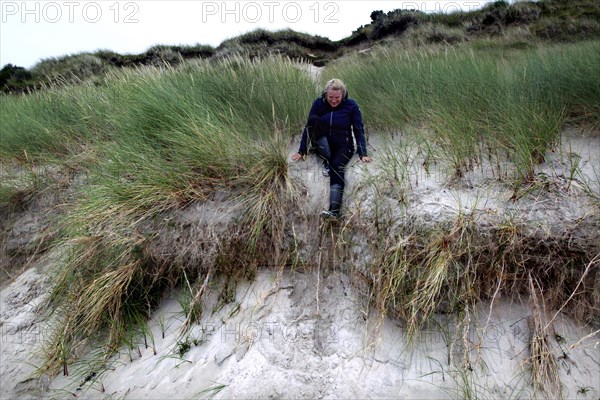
{"points": [[334, 123]]}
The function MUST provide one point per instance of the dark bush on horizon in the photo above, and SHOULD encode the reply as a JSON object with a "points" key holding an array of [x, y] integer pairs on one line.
{"points": [[393, 23], [15, 79]]}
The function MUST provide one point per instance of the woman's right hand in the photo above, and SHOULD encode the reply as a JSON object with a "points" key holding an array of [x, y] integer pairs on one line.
{"points": [[297, 157]]}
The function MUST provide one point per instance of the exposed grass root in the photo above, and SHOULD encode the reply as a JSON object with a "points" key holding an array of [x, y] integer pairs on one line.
{"points": [[449, 268], [544, 369]]}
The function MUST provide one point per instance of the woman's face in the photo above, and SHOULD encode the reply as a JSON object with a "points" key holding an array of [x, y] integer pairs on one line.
{"points": [[334, 97]]}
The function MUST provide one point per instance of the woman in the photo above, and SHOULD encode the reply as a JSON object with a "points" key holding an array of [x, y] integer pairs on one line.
{"points": [[333, 119]]}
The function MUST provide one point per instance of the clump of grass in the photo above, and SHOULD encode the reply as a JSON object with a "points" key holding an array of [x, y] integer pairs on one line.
{"points": [[20, 183], [71, 69], [194, 131], [399, 165], [501, 103], [429, 283], [48, 126]]}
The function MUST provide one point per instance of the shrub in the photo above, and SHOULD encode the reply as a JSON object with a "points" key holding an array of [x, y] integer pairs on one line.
{"points": [[566, 30], [15, 79], [523, 13], [394, 23]]}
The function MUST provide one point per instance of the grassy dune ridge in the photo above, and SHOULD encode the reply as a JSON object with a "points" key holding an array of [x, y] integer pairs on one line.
{"points": [[516, 21], [150, 142], [479, 101]]}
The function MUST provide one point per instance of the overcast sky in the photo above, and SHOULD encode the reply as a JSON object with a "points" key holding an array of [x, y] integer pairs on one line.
{"points": [[34, 30]]}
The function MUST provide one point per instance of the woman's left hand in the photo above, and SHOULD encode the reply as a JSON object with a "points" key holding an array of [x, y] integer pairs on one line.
{"points": [[366, 159]]}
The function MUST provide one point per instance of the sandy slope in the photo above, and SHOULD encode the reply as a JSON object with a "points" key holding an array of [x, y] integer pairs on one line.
{"points": [[300, 335], [309, 333]]}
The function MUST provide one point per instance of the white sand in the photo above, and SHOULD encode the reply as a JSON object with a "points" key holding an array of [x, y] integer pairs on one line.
{"points": [[279, 341], [309, 334]]}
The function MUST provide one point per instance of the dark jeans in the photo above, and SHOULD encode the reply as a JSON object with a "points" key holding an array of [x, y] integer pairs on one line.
{"points": [[337, 156], [323, 150], [340, 156]]}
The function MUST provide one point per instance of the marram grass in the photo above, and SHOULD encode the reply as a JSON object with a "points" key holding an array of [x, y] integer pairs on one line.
{"points": [[156, 140], [173, 137], [492, 103]]}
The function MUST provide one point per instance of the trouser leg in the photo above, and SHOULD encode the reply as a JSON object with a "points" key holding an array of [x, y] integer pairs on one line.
{"points": [[339, 158], [336, 193], [323, 149]]}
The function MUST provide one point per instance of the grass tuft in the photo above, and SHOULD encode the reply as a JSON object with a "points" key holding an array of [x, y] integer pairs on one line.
{"points": [[194, 133]]}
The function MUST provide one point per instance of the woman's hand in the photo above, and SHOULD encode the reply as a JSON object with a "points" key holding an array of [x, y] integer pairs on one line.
{"points": [[297, 157], [366, 159]]}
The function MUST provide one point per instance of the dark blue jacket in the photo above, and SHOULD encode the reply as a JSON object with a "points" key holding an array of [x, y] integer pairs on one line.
{"points": [[338, 124]]}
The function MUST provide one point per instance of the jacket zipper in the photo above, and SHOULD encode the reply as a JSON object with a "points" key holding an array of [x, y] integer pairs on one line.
{"points": [[331, 126]]}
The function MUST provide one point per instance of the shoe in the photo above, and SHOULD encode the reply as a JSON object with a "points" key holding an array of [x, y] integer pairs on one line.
{"points": [[326, 170], [330, 216]]}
